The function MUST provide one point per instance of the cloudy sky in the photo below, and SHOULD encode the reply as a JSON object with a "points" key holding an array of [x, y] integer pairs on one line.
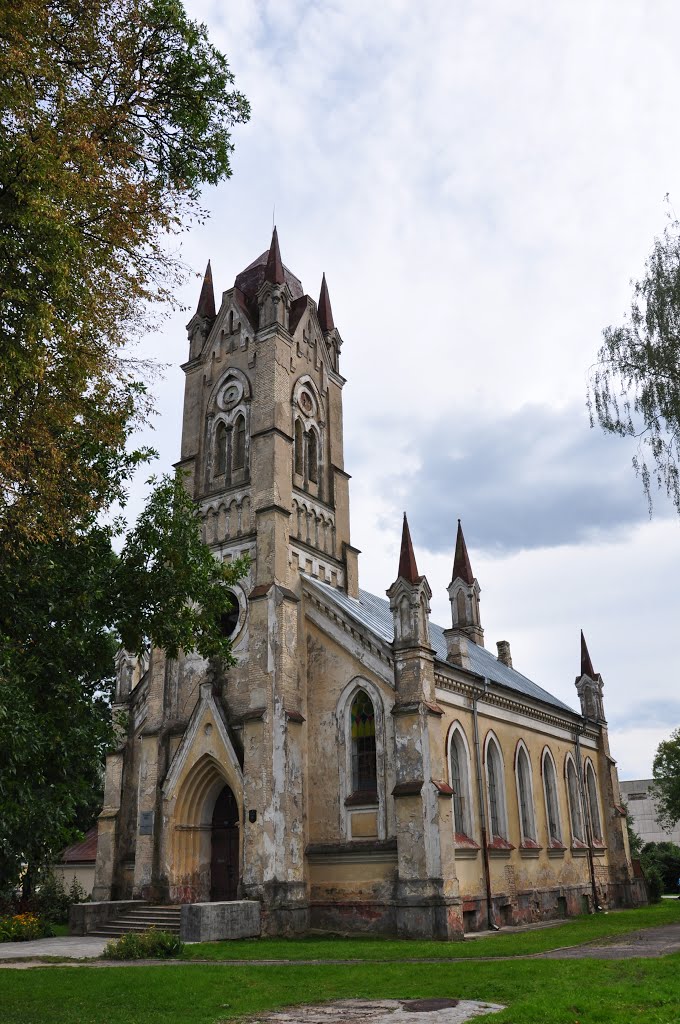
{"points": [[479, 181]]}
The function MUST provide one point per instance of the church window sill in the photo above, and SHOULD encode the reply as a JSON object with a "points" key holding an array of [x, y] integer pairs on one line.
{"points": [[530, 848], [362, 799], [579, 851], [465, 847]]}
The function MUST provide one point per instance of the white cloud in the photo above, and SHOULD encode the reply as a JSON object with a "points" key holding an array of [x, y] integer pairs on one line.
{"points": [[479, 183]]}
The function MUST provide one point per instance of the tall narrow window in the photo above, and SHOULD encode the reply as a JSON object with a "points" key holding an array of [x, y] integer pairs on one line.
{"points": [[364, 766], [526, 803], [313, 456], [574, 802], [494, 777], [220, 449], [551, 804], [299, 449], [460, 784], [239, 461], [593, 806]]}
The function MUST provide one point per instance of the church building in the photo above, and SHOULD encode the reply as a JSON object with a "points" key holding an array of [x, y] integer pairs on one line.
{"points": [[360, 768]]}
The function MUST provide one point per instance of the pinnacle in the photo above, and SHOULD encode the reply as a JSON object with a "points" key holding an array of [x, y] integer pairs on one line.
{"points": [[206, 301], [586, 663], [461, 562], [407, 560], [274, 270], [325, 311]]}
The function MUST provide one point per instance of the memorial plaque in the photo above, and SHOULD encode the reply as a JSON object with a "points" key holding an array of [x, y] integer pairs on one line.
{"points": [[146, 823]]}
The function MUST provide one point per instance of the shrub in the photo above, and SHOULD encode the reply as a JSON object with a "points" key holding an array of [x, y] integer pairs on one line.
{"points": [[148, 945], [654, 880], [50, 899], [22, 928]]}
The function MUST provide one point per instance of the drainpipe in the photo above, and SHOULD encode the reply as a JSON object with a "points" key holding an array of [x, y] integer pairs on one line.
{"points": [[586, 815], [482, 814]]}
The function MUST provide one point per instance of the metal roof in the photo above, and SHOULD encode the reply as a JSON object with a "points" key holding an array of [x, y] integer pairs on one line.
{"points": [[374, 613]]}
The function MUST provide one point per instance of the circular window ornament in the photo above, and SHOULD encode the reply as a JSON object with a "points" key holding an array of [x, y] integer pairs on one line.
{"points": [[229, 619], [231, 394], [306, 403]]}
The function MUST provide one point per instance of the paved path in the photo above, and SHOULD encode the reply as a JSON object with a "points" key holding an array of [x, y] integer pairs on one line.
{"points": [[647, 942]]}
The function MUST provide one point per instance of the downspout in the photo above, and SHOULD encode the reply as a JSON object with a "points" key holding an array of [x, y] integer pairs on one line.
{"points": [[586, 814], [482, 814]]}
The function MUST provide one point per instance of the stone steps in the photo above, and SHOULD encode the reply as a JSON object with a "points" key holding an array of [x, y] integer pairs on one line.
{"points": [[166, 919]]}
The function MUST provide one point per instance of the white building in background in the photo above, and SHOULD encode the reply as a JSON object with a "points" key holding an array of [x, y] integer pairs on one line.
{"points": [[642, 809]]}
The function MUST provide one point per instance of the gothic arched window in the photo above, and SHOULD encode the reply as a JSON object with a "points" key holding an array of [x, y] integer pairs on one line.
{"points": [[460, 783], [552, 808], [299, 449], [220, 449], [364, 764], [527, 822], [593, 806], [498, 827], [313, 456], [574, 802], [239, 460]]}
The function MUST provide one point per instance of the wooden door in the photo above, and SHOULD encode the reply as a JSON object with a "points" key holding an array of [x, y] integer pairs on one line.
{"points": [[224, 873]]}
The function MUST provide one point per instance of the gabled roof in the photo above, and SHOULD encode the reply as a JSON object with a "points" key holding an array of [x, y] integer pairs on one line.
{"points": [[374, 613], [85, 850]]}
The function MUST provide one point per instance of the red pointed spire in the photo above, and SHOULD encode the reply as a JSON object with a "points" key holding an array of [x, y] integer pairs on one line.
{"points": [[325, 311], [586, 663], [461, 562], [206, 301], [407, 560], [273, 272]]}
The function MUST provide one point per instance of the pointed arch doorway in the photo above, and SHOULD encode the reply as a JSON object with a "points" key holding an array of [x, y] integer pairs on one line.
{"points": [[224, 860]]}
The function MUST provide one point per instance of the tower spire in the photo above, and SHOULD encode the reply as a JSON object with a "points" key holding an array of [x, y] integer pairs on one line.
{"points": [[324, 308], [407, 560], [206, 301], [274, 270], [462, 570], [586, 663]]}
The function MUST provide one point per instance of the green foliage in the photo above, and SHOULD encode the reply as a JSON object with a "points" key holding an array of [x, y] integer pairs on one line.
{"points": [[634, 840], [148, 945], [112, 116], [164, 560], [654, 880], [23, 928], [664, 858], [635, 384], [67, 606], [666, 786]]}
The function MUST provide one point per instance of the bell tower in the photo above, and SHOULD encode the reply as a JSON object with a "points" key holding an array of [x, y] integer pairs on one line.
{"points": [[262, 448]]}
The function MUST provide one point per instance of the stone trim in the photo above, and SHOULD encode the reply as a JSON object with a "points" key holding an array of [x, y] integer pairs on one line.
{"points": [[355, 852], [362, 800], [412, 788], [272, 430], [295, 716]]}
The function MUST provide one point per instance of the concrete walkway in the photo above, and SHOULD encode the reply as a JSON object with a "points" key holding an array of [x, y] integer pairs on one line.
{"points": [[80, 951]]}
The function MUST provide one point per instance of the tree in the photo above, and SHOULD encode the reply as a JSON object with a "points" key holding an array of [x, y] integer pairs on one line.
{"points": [[112, 116], [664, 858], [666, 786], [66, 608], [635, 384]]}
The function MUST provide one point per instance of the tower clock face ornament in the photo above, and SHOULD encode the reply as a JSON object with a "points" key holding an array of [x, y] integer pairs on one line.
{"points": [[231, 394]]}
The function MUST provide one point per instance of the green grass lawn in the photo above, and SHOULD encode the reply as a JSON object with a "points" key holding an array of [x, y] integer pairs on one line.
{"points": [[571, 933], [535, 991]]}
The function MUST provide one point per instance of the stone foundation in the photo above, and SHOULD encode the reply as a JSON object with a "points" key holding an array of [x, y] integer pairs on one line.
{"points": [[213, 922]]}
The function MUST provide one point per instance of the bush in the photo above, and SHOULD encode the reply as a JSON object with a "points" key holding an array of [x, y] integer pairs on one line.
{"points": [[666, 858], [148, 945], [50, 900], [654, 880], [22, 928]]}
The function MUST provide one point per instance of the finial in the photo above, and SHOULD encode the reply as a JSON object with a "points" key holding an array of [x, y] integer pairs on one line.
{"points": [[586, 663], [461, 562], [206, 301], [324, 308], [274, 270], [407, 560]]}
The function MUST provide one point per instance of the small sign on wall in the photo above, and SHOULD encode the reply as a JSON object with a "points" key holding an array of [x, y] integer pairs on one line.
{"points": [[146, 823]]}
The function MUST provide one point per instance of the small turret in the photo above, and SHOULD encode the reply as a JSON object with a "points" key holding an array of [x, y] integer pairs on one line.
{"points": [[325, 311], [589, 687], [274, 295], [410, 598], [201, 322], [463, 591]]}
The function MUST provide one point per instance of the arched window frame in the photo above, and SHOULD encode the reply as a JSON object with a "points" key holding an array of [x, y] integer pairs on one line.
{"points": [[593, 801], [497, 807], [551, 799], [344, 725], [219, 414], [308, 470], [299, 446], [238, 461], [576, 814], [220, 464], [313, 455], [524, 783], [463, 817]]}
